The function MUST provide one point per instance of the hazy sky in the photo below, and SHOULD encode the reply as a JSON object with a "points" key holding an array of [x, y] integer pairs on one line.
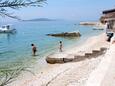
{"points": [[68, 9]]}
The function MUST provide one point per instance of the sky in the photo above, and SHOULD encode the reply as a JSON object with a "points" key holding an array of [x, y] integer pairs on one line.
{"points": [[80, 10]]}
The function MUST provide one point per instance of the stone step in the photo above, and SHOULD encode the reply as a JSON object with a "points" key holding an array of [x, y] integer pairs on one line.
{"points": [[88, 54], [69, 58], [103, 48], [79, 58], [59, 58], [95, 51], [54, 60]]}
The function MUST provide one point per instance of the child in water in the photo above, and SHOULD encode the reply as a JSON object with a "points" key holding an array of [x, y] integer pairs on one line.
{"points": [[60, 46], [34, 49]]}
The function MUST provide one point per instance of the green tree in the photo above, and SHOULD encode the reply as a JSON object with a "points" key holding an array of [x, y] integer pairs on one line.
{"points": [[17, 4]]}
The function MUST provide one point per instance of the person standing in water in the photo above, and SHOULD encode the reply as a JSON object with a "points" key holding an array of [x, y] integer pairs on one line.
{"points": [[34, 49], [60, 46]]}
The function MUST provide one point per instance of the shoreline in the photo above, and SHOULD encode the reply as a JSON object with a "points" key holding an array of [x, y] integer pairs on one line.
{"points": [[52, 72]]}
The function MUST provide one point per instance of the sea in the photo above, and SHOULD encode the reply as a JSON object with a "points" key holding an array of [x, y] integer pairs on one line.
{"points": [[15, 49]]}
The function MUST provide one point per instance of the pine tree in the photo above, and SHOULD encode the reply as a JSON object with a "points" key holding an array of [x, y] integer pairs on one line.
{"points": [[17, 4]]}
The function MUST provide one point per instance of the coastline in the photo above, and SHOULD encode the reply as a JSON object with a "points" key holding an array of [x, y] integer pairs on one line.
{"points": [[54, 73], [95, 25]]}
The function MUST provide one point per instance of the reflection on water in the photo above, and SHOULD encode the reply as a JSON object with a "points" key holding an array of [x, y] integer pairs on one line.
{"points": [[7, 36]]}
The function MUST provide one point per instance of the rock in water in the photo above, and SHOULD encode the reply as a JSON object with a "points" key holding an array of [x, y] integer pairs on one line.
{"points": [[66, 34]]}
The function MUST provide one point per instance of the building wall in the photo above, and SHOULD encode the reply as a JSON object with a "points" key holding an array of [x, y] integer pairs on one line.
{"points": [[113, 26]]}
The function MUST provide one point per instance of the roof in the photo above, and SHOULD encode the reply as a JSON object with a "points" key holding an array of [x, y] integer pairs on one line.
{"points": [[108, 11]]}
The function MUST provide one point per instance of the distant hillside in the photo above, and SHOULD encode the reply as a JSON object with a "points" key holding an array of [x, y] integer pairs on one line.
{"points": [[40, 19]]}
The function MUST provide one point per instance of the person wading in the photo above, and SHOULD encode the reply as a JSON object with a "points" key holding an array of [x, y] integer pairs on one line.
{"points": [[60, 46], [34, 49]]}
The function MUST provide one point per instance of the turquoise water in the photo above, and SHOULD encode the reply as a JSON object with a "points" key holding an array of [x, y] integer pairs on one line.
{"points": [[15, 49]]}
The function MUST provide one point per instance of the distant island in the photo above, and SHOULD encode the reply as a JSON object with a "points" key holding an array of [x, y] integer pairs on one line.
{"points": [[41, 19]]}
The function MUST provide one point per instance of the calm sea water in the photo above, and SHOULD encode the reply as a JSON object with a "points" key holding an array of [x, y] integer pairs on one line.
{"points": [[15, 49]]}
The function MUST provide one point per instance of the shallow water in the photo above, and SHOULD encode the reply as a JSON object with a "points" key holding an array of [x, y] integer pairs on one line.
{"points": [[15, 49]]}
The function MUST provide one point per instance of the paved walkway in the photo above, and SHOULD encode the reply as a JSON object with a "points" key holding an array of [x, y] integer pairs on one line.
{"points": [[104, 75], [109, 78]]}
